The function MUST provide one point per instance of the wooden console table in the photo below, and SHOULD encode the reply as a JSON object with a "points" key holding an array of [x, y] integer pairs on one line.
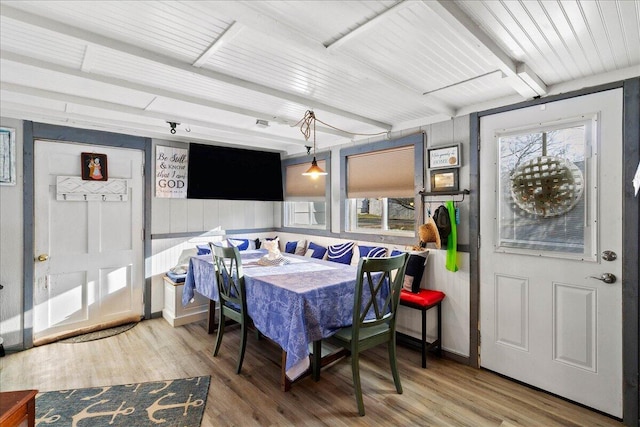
{"points": [[18, 408]]}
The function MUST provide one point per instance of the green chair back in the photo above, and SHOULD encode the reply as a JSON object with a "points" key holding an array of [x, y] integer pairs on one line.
{"points": [[379, 276], [374, 316], [231, 293]]}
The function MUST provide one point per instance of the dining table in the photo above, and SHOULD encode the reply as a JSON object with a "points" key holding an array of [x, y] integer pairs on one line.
{"points": [[296, 303]]}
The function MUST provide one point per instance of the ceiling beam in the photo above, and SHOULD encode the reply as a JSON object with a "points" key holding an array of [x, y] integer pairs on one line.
{"points": [[153, 90], [120, 108], [460, 21], [228, 35], [46, 115], [367, 25], [129, 49]]}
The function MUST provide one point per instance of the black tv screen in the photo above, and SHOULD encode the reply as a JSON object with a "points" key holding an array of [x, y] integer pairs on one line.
{"points": [[233, 174]]}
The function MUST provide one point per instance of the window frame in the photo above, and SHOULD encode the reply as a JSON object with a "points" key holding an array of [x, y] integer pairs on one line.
{"points": [[320, 156], [591, 165], [385, 236]]}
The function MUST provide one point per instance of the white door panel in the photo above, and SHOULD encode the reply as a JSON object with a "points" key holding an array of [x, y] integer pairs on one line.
{"points": [[545, 320], [94, 272]]}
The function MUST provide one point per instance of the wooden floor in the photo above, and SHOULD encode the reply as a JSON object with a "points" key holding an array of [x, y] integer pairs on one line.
{"points": [[445, 394]]}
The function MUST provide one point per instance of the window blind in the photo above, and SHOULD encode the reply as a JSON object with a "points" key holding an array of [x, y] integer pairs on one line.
{"points": [[383, 173], [304, 187]]}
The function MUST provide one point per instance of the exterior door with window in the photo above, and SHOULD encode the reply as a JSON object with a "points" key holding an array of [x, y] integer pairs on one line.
{"points": [[550, 255], [89, 269]]}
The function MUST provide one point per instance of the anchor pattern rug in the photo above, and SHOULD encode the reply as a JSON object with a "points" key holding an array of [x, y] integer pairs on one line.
{"points": [[178, 402]]}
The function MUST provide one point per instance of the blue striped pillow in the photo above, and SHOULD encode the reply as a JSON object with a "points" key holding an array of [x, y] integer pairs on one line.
{"points": [[372, 251], [342, 252]]}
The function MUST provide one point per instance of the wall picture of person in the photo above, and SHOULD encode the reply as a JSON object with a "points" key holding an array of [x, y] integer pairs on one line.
{"points": [[94, 167]]}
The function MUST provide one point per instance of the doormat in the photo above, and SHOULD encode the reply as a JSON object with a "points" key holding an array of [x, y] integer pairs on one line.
{"points": [[98, 335], [178, 402]]}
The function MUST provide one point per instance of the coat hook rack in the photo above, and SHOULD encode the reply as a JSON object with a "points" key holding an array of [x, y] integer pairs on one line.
{"points": [[443, 196]]}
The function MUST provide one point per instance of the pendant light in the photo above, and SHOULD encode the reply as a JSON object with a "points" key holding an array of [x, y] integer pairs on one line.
{"points": [[310, 121]]}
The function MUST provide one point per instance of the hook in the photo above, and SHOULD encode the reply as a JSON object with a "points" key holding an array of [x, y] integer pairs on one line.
{"points": [[173, 125]]}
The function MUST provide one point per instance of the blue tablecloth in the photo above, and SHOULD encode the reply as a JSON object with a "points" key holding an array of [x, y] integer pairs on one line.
{"points": [[293, 304]]}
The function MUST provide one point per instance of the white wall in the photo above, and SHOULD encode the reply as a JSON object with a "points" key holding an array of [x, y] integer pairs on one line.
{"points": [[170, 216], [11, 256]]}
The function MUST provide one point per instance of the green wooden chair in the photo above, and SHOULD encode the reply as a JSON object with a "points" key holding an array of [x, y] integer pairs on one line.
{"points": [[374, 321], [231, 292]]}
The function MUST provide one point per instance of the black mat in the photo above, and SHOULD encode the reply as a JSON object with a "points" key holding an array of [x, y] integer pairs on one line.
{"points": [[178, 402]]}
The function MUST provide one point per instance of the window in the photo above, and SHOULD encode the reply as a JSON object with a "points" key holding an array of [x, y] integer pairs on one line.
{"points": [[543, 185], [305, 203], [381, 186]]}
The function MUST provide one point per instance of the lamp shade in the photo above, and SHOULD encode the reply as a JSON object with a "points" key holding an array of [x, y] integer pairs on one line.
{"points": [[314, 171]]}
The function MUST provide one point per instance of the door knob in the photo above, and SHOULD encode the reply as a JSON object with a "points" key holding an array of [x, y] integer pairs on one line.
{"points": [[606, 277], [43, 257]]}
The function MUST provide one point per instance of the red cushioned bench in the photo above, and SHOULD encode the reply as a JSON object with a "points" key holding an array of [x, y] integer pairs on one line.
{"points": [[423, 301]]}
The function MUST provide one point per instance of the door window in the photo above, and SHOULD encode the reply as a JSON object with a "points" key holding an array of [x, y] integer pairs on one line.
{"points": [[543, 190]]}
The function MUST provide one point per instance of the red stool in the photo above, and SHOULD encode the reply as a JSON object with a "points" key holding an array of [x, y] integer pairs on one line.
{"points": [[423, 301]]}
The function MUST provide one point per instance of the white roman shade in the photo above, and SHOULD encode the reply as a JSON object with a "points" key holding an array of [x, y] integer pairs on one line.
{"points": [[383, 173], [299, 187]]}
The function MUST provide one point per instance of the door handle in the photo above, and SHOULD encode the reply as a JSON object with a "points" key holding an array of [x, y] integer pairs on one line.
{"points": [[42, 257], [606, 277]]}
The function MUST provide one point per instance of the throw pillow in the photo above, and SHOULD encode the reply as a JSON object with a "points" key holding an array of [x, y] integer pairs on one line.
{"points": [[342, 252], [414, 271], [290, 247], [203, 249], [396, 252], [372, 251], [315, 251], [241, 244], [296, 247]]}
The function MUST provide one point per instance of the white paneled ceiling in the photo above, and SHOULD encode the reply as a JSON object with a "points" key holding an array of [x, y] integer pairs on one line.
{"points": [[364, 67]]}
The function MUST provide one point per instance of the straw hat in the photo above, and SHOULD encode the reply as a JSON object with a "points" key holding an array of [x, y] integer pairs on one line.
{"points": [[428, 233]]}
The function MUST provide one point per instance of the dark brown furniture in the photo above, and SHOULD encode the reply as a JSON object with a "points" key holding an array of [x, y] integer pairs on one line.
{"points": [[16, 407]]}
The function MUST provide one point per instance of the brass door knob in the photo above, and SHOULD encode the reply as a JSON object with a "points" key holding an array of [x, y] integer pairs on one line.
{"points": [[43, 257]]}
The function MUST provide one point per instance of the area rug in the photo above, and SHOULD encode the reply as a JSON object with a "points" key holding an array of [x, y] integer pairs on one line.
{"points": [[170, 403], [98, 335]]}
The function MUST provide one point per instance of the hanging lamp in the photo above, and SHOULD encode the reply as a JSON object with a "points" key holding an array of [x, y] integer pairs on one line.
{"points": [[310, 122]]}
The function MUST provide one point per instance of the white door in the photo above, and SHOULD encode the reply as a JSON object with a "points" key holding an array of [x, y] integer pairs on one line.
{"points": [[551, 198], [90, 273]]}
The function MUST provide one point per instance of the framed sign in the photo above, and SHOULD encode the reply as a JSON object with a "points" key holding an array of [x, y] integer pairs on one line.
{"points": [[7, 156], [171, 172], [94, 166], [444, 180], [444, 157]]}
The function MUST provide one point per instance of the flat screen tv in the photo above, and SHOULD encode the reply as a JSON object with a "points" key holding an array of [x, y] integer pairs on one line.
{"points": [[233, 174]]}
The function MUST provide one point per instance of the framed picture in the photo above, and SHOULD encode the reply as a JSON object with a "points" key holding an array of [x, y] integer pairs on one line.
{"points": [[7, 156], [444, 180], [94, 166], [444, 157]]}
